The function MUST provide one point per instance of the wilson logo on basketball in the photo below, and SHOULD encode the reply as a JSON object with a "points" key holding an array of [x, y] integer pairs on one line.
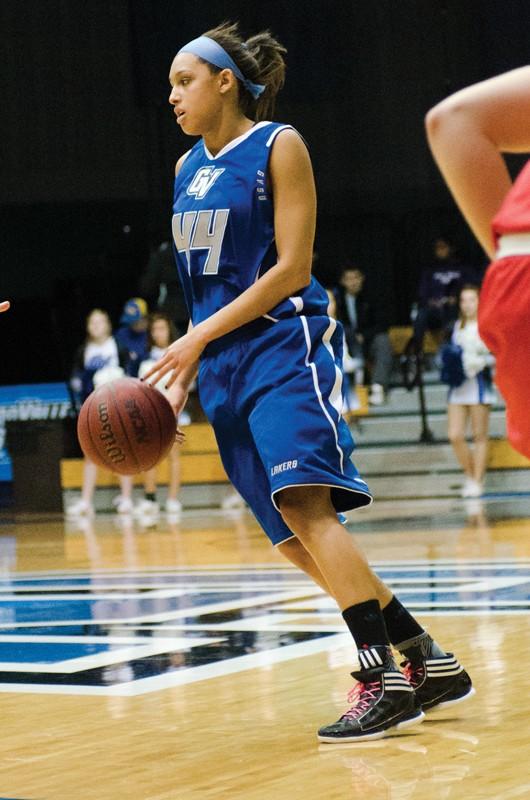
{"points": [[141, 433], [113, 450]]}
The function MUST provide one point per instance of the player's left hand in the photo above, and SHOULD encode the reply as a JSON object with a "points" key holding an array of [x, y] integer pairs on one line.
{"points": [[180, 356]]}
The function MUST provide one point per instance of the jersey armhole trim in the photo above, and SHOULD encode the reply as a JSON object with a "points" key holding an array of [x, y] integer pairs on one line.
{"points": [[184, 157], [275, 133]]}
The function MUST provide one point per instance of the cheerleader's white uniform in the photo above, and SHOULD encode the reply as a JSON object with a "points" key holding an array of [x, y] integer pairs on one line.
{"points": [[477, 389]]}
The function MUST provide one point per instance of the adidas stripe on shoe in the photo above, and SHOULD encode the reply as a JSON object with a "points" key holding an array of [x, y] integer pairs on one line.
{"points": [[381, 700], [439, 681]]}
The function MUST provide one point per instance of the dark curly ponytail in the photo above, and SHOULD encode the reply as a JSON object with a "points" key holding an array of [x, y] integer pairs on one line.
{"points": [[260, 59]]}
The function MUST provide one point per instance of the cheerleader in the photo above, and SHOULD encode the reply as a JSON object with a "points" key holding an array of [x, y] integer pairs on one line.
{"points": [[98, 361], [160, 333], [471, 400]]}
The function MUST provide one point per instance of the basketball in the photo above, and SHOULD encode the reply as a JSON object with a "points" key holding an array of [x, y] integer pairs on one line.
{"points": [[126, 426]]}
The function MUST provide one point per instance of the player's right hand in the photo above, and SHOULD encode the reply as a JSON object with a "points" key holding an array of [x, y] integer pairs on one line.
{"points": [[4, 305], [178, 397]]}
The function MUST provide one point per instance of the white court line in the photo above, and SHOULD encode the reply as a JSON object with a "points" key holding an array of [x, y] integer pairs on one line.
{"points": [[165, 616], [107, 658], [492, 583], [88, 589], [324, 605], [150, 590], [10, 638], [159, 594], [215, 569], [263, 659], [92, 596]]}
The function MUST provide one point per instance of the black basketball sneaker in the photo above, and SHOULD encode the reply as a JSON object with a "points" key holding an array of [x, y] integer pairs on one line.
{"points": [[382, 699], [439, 680]]}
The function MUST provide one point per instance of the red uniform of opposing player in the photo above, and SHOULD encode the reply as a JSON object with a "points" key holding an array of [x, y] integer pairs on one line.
{"points": [[504, 311], [468, 133]]}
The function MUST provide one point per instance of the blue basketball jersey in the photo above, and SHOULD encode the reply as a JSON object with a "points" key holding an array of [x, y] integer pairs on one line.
{"points": [[223, 226]]}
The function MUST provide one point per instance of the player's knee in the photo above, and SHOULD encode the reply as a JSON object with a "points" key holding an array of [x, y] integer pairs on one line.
{"points": [[293, 514], [302, 507]]}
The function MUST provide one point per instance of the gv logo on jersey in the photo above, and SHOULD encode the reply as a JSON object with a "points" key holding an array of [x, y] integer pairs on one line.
{"points": [[203, 180]]}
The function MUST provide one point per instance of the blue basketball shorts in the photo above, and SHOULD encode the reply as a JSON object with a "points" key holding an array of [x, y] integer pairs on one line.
{"points": [[273, 394]]}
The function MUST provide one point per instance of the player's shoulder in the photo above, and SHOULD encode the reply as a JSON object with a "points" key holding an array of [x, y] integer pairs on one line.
{"points": [[190, 156], [283, 132], [181, 160], [287, 141], [290, 149]]}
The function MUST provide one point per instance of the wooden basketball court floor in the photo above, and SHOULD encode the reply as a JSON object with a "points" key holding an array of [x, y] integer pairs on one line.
{"points": [[185, 660]]}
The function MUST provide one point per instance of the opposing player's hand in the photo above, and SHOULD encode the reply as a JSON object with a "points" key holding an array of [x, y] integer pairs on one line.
{"points": [[179, 358], [4, 305]]}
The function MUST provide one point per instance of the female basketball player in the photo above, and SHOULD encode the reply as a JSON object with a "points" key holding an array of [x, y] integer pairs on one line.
{"points": [[472, 399], [269, 360], [468, 133]]}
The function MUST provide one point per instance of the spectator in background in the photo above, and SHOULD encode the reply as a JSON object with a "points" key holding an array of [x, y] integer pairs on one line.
{"points": [[132, 334], [96, 362], [161, 332], [161, 287], [472, 396], [440, 284], [366, 332]]}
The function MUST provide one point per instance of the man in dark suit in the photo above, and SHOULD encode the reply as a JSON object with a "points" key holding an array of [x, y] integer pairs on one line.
{"points": [[366, 332]]}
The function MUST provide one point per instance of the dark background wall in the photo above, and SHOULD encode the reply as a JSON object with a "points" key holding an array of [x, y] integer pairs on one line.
{"points": [[88, 143]]}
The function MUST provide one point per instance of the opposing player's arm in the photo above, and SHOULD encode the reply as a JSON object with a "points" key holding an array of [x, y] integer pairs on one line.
{"points": [[294, 218], [468, 132]]}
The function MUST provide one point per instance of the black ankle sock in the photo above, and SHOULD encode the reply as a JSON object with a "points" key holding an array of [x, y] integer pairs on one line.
{"points": [[150, 496], [400, 625], [366, 624], [407, 635]]}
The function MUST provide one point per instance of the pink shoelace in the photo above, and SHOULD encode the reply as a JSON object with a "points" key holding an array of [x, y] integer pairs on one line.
{"points": [[414, 675], [361, 696]]}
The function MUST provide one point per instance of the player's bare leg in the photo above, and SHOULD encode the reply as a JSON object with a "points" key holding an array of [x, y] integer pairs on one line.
{"points": [[309, 513], [325, 551]]}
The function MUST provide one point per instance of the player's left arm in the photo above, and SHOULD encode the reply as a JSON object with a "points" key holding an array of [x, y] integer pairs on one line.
{"points": [[293, 188], [468, 132]]}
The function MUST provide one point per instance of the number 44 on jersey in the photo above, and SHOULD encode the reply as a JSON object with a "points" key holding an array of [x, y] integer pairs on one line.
{"points": [[204, 229]]}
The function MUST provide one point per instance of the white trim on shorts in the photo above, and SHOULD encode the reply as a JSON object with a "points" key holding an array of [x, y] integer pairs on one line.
{"points": [[312, 366], [513, 244], [331, 486]]}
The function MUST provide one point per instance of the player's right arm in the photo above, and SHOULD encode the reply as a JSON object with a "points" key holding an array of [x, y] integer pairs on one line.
{"points": [[468, 132], [178, 391]]}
